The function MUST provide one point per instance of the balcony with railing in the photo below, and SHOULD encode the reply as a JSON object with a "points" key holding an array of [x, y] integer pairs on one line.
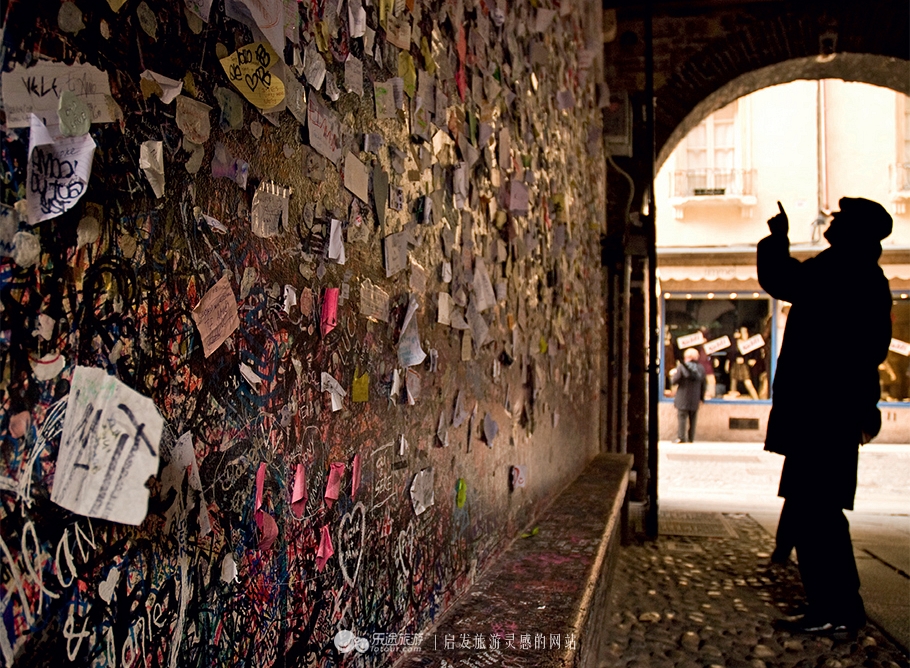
{"points": [[713, 187], [900, 186]]}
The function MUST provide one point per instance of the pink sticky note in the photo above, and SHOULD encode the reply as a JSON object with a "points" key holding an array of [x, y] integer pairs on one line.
{"points": [[260, 483], [325, 550], [299, 498], [355, 475], [333, 487], [329, 318], [268, 530]]}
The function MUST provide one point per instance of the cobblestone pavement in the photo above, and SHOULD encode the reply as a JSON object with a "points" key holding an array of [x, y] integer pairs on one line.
{"points": [[685, 602]]}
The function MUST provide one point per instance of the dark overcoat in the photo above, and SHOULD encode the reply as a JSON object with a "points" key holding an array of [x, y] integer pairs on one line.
{"points": [[826, 388], [690, 376]]}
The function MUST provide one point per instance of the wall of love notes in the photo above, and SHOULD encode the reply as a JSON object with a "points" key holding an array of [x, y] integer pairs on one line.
{"points": [[291, 293]]}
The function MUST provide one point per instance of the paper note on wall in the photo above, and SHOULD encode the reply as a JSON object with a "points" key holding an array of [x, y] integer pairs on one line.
{"points": [[216, 316], [396, 253], [325, 130], [164, 87], [409, 351], [333, 486], [151, 162], [329, 311], [356, 177], [270, 209], [248, 69], [484, 296], [336, 242], [422, 492], [58, 172], [108, 449], [192, 118], [299, 496], [333, 387], [360, 388], [374, 302], [37, 90], [325, 550]]}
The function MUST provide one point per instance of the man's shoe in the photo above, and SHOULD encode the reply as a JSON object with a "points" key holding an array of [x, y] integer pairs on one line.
{"points": [[812, 625]]}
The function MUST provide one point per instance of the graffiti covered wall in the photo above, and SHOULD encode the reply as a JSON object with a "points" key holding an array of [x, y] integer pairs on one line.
{"points": [[301, 316]]}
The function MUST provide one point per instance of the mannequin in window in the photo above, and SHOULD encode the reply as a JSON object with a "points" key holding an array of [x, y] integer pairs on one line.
{"points": [[741, 368]]}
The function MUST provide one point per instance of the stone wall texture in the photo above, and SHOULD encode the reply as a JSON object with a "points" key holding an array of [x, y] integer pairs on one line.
{"points": [[400, 205]]}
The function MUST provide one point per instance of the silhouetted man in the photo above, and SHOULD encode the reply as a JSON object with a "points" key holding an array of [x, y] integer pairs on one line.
{"points": [[825, 396]]}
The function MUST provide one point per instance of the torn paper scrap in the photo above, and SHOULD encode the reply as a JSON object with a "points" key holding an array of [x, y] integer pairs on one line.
{"points": [[193, 119], [268, 529], [328, 319], [216, 316], [333, 387], [108, 449], [248, 70], [518, 197], [164, 87], [270, 209], [412, 386], [353, 74], [151, 162], [444, 308], [396, 253], [37, 90], [409, 351], [269, 18], [325, 130], [228, 569], [484, 295], [355, 475], [325, 550], [299, 496], [356, 177], [333, 486], [58, 172], [374, 302], [336, 242], [422, 494], [518, 476], [360, 388], [442, 434]]}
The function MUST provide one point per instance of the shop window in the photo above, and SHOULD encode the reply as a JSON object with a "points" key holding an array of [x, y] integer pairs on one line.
{"points": [[733, 335], [894, 372]]}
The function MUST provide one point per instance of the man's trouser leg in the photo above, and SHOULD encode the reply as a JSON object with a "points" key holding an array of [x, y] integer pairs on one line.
{"points": [[681, 416], [692, 416], [826, 563]]}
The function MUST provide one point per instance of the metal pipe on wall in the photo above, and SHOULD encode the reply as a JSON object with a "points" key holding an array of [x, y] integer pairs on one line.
{"points": [[652, 299]]}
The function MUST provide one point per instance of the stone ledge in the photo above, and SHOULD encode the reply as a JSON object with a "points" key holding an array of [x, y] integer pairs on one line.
{"points": [[552, 586]]}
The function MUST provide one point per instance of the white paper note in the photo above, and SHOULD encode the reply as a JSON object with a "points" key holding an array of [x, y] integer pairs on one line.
{"points": [[58, 172], [108, 449], [37, 90], [374, 302], [396, 253], [170, 88], [422, 494], [356, 177], [270, 209], [484, 296], [325, 130], [409, 351], [151, 162], [336, 242]]}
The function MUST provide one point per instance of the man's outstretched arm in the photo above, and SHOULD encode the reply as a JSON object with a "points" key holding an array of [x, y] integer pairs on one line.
{"points": [[779, 274]]}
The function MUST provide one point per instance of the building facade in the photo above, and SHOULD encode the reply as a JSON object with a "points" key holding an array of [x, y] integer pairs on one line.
{"points": [[804, 144]]}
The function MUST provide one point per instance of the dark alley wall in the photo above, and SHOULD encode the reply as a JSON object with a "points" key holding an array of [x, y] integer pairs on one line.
{"points": [[467, 179]]}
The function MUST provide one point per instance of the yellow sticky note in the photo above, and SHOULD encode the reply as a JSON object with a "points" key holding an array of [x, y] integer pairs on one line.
{"points": [[248, 69], [360, 392]]}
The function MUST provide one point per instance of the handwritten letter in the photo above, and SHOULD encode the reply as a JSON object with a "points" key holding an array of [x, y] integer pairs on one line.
{"points": [[108, 449], [216, 316]]}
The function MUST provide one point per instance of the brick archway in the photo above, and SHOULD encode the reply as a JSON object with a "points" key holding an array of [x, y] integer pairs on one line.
{"points": [[877, 70]]}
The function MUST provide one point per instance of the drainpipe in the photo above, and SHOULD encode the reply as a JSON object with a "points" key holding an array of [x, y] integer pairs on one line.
{"points": [[653, 299], [822, 147]]}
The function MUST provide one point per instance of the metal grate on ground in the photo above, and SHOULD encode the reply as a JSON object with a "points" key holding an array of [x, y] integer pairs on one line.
{"points": [[699, 524]]}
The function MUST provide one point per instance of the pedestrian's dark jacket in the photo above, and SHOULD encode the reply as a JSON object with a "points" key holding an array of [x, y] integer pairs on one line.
{"points": [[690, 376], [826, 388]]}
